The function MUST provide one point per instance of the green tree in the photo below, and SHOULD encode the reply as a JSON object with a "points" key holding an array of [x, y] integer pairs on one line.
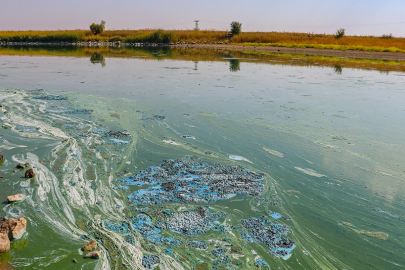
{"points": [[340, 33], [236, 28], [97, 28]]}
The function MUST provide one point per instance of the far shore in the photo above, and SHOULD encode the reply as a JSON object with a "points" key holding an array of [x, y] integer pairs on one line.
{"points": [[397, 56], [391, 56]]}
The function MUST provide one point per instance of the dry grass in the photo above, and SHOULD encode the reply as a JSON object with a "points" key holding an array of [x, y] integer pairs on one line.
{"points": [[283, 39], [318, 39]]}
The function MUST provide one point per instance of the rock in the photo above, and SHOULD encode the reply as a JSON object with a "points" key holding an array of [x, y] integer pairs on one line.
{"points": [[22, 166], [15, 198], [1, 156], [90, 245], [4, 243], [30, 173], [14, 228], [93, 255]]}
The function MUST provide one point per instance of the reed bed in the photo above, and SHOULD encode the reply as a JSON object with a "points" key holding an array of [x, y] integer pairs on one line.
{"points": [[282, 39]]}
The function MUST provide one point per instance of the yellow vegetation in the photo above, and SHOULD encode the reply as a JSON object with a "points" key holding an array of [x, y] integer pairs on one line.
{"points": [[283, 39]]}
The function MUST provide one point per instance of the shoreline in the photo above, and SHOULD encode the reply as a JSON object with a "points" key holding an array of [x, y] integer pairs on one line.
{"points": [[393, 56]]}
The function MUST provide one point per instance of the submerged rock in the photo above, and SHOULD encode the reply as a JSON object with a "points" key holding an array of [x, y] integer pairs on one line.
{"points": [[14, 228], [93, 255], [89, 245], [4, 243], [30, 173], [15, 198]]}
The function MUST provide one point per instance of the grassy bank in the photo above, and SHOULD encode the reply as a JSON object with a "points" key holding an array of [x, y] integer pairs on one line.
{"points": [[384, 43]]}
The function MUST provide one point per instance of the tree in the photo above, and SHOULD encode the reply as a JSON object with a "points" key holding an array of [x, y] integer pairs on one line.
{"points": [[236, 28], [340, 33], [97, 28]]}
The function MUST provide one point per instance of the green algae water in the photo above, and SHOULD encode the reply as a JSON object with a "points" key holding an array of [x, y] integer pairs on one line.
{"points": [[326, 142]]}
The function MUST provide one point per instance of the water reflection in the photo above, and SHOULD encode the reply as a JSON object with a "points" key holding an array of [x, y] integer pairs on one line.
{"points": [[386, 72], [337, 69], [234, 57], [234, 65], [97, 58]]}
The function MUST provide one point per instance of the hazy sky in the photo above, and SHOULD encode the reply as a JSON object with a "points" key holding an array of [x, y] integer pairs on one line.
{"points": [[358, 17]]}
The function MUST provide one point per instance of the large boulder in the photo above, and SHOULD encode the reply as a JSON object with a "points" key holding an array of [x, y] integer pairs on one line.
{"points": [[14, 228], [93, 255], [30, 173], [15, 198], [4, 243], [89, 245]]}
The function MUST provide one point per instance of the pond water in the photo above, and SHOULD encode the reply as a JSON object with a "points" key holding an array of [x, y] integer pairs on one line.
{"points": [[301, 162]]}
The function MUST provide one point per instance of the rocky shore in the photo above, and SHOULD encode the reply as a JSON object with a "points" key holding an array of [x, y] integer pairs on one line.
{"points": [[98, 44], [11, 229]]}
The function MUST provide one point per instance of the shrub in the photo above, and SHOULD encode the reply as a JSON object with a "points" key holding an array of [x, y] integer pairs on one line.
{"points": [[340, 33], [386, 36], [236, 28], [116, 38], [97, 28]]}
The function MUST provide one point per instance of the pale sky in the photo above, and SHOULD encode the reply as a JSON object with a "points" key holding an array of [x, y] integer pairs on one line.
{"points": [[358, 17]]}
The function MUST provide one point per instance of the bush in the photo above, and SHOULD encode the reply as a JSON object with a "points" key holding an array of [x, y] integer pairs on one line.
{"points": [[387, 36], [236, 28], [116, 38], [340, 33], [97, 28]]}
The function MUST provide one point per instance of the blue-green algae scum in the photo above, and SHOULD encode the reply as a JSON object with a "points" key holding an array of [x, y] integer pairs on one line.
{"points": [[226, 164]]}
